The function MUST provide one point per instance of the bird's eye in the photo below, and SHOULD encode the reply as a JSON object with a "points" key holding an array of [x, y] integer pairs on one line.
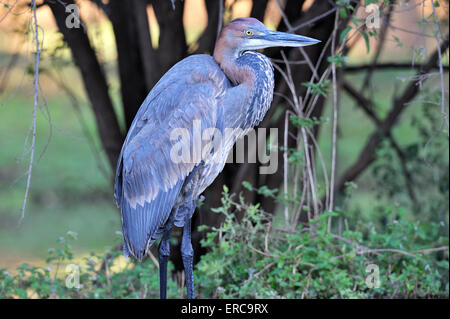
{"points": [[249, 32]]}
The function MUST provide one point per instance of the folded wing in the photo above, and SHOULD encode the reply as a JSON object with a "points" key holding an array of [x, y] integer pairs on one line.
{"points": [[148, 180]]}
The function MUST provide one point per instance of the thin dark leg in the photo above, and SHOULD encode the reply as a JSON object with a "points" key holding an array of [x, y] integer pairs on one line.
{"points": [[187, 253], [164, 254]]}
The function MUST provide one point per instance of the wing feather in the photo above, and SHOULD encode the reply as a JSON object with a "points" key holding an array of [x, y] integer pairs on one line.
{"points": [[147, 180]]}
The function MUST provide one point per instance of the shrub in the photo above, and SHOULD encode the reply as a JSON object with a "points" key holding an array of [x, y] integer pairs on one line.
{"points": [[253, 259]]}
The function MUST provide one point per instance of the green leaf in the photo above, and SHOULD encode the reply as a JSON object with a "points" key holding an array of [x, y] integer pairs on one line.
{"points": [[342, 13], [318, 88], [397, 40], [338, 60], [344, 33], [366, 39], [247, 185]]}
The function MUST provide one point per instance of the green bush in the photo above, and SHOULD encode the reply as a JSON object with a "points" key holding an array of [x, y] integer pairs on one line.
{"points": [[252, 258], [96, 278]]}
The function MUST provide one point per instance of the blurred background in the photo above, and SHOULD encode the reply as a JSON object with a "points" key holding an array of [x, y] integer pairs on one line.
{"points": [[127, 46]]}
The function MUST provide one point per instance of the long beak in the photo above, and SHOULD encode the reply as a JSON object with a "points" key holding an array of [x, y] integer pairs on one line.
{"points": [[282, 39]]}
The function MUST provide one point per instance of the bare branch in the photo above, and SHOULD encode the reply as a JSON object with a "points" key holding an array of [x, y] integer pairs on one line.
{"points": [[389, 65], [380, 46], [330, 205], [10, 8], [367, 106], [367, 155], [309, 22], [35, 30]]}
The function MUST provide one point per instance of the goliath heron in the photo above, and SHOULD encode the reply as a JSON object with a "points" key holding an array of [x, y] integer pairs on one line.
{"points": [[233, 89]]}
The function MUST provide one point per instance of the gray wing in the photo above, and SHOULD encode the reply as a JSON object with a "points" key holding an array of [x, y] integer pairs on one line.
{"points": [[147, 180]]}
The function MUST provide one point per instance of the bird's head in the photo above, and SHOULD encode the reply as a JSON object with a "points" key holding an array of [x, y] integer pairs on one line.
{"points": [[248, 34]]}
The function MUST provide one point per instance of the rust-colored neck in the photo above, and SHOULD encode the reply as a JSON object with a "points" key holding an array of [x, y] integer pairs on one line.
{"points": [[226, 55]]}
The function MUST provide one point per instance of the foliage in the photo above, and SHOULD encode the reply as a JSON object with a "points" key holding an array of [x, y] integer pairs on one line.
{"points": [[426, 158], [320, 88], [252, 259], [97, 277]]}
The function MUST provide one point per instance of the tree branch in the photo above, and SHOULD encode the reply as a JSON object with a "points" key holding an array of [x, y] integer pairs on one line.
{"points": [[104, 7], [35, 32], [367, 156], [147, 53], [389, 65], [367, 106], [380, 45], [172, 42], [208, 38], [259, 9]]}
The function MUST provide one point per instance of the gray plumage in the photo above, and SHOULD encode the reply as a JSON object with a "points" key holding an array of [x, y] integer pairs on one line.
{"points": [[231, 91]]}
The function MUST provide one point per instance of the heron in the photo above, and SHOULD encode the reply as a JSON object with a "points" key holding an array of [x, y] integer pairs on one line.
{"points": [[231, 89]]}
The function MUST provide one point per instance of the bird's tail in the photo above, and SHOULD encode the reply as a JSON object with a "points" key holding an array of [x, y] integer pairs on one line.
{"points": [[141, 225]]}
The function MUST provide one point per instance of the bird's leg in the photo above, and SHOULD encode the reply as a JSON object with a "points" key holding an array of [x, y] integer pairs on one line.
{"points": [[187, 253], [164, 254]]}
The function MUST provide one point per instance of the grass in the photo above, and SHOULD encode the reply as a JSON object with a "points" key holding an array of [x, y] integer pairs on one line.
{"points": [[68, 191]]}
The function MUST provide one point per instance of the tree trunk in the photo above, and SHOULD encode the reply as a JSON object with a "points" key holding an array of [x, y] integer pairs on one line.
{"points": [[94, 82], [131, 70], [172, 41]]}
